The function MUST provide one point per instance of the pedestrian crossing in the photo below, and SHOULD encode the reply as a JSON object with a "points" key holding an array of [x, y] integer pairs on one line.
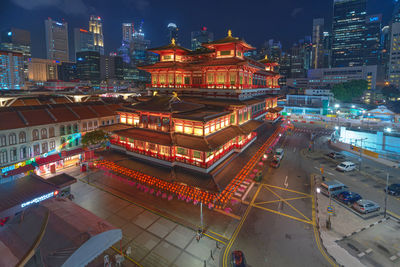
{"points": [[318, 131]]}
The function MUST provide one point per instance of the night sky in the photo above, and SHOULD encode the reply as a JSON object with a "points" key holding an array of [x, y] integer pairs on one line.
{"points": [[253, 20]]}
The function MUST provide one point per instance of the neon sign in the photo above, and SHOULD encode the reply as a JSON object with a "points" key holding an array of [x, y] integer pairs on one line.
{"points": [[17, 165], [39, 199], [371, 19]]}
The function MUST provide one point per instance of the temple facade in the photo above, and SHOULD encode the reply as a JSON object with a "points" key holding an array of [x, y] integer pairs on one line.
{"points": [[205, 106], [217, 65]]}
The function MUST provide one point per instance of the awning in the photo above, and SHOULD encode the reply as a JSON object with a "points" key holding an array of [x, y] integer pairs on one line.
{"points": [[23, 169], [275, 109]]}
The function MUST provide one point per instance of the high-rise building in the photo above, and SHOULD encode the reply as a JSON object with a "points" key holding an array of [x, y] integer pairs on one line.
{"points": [[172, 32], [127, 32], [327, 44], [18, 41], [57, 40], [199, 37], [394, 61], [372, 39], [348, 32], [300, 60], [42, 70], [96, 27], [88, 66], [67, 71], [111, 67], [317, 43], [83, 40], [11, 71]]}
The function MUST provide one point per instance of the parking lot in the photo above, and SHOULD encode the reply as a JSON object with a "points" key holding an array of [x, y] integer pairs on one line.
{"points": [[377, 245]]}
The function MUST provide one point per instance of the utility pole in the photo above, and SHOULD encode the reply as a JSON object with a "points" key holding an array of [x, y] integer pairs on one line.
{"points": [[360, 150], [386, 193], [201, 216]]}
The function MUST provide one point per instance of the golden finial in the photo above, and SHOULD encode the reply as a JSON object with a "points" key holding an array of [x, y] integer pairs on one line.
{"points": [[173, 41], [229, 33], [266, 57], [155, 93]]}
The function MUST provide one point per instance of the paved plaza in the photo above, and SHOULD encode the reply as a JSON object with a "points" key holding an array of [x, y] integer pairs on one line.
{"points": [[154, 240]]}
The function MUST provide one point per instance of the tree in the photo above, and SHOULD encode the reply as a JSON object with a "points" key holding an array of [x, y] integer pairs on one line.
{"points": [[95, 138], [349, 91]]}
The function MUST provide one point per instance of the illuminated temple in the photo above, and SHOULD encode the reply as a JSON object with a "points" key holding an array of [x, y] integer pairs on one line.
{"points": [[205, 105]]}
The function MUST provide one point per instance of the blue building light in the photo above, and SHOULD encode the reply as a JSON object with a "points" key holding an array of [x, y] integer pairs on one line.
{"points": [[9, 33], [80, 59]]}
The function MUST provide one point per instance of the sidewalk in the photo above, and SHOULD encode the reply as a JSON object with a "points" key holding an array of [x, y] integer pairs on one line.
{"points": [[344, 223]]}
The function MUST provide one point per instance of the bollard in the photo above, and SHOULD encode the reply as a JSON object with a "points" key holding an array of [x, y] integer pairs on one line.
{"points": [[212, 257]]}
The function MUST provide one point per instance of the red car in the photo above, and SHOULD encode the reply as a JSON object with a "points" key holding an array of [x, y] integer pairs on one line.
{"points": [[238, 259]]}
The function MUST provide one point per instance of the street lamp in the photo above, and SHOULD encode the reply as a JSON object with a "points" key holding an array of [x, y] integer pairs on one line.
{"points": [[337, 106], [389, 130]]}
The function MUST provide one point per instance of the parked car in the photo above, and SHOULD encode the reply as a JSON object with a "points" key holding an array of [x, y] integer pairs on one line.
{"points": [[335, 155], [238, 259], [393, 189], [346, 166], [279, 153], [348, 197], [332, 188], [365, 206], [275, 163]]}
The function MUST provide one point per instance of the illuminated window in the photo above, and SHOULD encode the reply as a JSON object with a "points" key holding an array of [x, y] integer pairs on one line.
{"points": [[178, 128], [221, 78], [232, 78], [182, 151], [188, 129], [123, 119], [225, 53], [206, 129], [198, 131], [210, 78], [196, 154], [212, 128], [130, 121]]}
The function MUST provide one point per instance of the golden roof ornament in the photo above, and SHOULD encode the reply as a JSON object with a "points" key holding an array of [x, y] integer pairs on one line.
{"points": [[229, 33], [173, 41], [155, 93], [266, 57]]}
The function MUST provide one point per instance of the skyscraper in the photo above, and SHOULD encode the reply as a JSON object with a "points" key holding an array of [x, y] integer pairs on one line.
{"points": [[83, 40], [96, 27], [18, 41], [372, 39], [111, 67], [56, 40], [348, 32], [11, 71], [88, 66], [172, 32], [317, 43], [199, 37], [127, 32]]}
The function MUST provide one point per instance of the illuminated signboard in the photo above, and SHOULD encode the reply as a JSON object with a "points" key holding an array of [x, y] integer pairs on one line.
{"points": [[17, 165], [39, 199], [371, 19]]}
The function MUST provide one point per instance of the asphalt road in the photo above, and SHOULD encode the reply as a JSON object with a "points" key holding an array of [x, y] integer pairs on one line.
{"points": [[369, 183], [280, 232]]}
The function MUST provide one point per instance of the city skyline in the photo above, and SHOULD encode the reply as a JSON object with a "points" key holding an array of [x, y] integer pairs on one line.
{"points": [[77, 14]]}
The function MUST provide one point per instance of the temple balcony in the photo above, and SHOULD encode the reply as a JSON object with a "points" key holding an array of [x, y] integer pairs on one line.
{"points": [[211, 86]]}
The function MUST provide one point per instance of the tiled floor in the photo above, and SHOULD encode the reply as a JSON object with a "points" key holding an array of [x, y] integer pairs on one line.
{"points": [[154, 240]]}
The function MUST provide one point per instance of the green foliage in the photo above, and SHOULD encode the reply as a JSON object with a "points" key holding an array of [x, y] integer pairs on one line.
{"points": [[348, 91], [96, 137]]}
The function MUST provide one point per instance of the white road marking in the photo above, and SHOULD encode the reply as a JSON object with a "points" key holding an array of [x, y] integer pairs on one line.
{"points": [[286, 184], [329, 173], [294, 150], [316, 168]]}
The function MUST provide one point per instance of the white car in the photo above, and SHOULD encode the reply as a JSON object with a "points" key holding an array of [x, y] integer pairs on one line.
{"points": [[346, 166], [279, 153]]}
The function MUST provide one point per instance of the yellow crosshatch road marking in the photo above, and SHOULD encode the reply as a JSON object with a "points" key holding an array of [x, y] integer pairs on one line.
{"points": [[285, 189], [280, 200], [284, 214], [299, 212]]}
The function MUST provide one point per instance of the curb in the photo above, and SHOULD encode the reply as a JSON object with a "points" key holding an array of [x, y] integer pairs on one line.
{"points": [[364, 228], [318, 226]]}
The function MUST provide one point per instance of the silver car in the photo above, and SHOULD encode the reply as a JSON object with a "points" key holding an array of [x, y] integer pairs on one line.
{"points": [[366, 206]]}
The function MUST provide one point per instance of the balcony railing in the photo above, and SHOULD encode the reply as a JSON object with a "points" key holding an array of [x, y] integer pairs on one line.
{"points": [[183, 159], [210, 86]]}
